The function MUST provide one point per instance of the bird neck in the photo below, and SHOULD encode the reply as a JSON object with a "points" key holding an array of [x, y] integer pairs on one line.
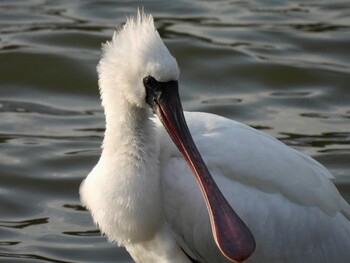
{"points": [[131, 138], [129, 130], [130, 156]]}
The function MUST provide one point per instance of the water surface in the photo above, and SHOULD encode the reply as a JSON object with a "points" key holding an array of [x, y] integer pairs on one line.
{"points": [[282, 67]]}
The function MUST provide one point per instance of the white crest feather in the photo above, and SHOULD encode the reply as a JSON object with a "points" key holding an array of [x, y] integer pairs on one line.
{"points": [[136, 51]]}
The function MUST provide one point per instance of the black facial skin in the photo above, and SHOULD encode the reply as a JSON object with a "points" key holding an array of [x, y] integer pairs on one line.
{"points": [[155, 89]]}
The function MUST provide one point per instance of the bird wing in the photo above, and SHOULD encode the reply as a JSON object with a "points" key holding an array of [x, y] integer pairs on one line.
{"points": [[264, 180]]}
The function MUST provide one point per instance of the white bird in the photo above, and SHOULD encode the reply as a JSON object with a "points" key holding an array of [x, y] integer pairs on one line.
{"points": [[142, 193]]}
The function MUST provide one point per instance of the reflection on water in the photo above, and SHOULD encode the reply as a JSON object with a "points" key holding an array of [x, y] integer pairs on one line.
{"points": [[23, 224], [278, 66]]}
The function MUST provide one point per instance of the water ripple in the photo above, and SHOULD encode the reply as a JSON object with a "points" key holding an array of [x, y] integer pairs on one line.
{"points": [[25, 223], [280, 66]]}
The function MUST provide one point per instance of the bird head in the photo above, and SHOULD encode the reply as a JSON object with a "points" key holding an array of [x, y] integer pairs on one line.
{"points": [[135, 52]]}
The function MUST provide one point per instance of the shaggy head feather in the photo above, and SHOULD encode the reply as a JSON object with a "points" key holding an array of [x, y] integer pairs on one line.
{"points": [[136, 51]]}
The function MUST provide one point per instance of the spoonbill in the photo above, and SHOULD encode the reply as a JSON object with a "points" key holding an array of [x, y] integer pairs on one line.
{"points": [[251, 197]]}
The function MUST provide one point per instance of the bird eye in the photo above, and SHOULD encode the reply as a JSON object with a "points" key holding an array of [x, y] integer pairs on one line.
{"points": [[149, 81]]}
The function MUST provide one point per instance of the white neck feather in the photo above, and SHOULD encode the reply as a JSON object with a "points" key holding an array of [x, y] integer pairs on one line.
{"points": [[127, 200]]}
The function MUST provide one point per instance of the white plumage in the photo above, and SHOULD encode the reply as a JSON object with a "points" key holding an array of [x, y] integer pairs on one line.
{"points": [[286, 198], [143, 195]]}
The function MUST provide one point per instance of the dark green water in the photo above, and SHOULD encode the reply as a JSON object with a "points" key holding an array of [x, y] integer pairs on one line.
{"points": [[280, 66]]}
